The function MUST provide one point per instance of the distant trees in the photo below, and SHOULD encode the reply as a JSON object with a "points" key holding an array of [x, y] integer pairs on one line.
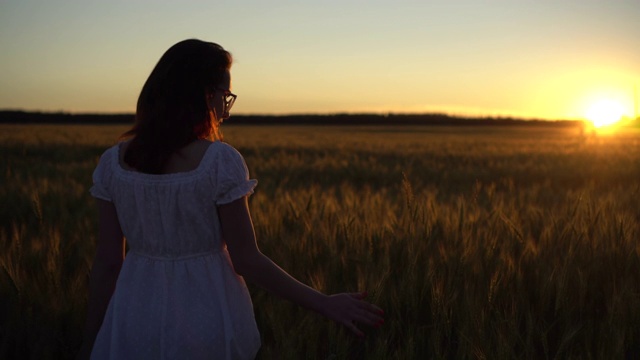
{"points": [[25, 117]]}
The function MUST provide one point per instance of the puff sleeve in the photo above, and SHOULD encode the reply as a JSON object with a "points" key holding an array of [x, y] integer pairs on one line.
{"points": [[232, 177], [101, 176]]}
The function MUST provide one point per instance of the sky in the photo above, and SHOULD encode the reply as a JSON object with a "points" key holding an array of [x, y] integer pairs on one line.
{"points": [[539, 59]]}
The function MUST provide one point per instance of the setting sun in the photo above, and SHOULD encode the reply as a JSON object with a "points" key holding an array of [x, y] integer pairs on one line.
{"points": [[605, 113]]}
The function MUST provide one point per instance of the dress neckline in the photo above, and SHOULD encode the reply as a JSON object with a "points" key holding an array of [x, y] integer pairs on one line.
{"points": [[179, 174]]}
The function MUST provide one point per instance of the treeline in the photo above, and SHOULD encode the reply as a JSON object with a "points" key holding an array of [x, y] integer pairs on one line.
{"points": [[25, 117]]}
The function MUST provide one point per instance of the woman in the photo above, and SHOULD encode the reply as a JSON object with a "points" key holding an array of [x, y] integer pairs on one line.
{"points": [[179, 197]]}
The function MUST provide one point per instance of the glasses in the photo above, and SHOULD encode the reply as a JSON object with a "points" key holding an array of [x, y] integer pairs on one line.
{"points": [[229, 99]]}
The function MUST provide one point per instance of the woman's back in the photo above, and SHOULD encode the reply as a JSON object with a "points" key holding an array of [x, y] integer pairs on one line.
{"points": [[173, 214], [177, 289]]}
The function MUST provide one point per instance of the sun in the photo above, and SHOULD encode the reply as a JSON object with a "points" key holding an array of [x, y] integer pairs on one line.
{"points": [[605, 113]]}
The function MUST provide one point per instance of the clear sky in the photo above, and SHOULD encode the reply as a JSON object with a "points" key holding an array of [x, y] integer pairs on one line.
{"points": [[537, 59]]}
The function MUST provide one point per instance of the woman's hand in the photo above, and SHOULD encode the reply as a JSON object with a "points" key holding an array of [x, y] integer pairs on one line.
{"points": [[350, 308]]}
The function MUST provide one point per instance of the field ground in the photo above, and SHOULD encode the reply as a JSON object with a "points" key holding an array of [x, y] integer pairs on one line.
{"points": [[478, 242]]}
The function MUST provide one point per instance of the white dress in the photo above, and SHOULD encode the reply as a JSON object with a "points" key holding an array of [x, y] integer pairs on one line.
{"points": [[177, 295]]}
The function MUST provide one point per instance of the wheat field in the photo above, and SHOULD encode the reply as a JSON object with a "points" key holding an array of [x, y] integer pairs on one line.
{"points": [[478, 242]]}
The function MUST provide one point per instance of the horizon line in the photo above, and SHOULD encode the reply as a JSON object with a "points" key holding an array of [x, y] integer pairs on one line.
{"points": [[291, 114]]}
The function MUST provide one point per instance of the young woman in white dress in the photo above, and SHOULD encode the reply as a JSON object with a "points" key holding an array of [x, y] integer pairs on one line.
{"points": [[178, 195]]}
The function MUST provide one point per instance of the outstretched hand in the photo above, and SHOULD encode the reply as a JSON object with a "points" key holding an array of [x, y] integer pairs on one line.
{"points": [[350, 308]]}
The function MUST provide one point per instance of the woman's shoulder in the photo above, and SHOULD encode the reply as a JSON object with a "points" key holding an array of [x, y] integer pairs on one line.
{"points": [[111, 153], [107, 163], [222, 146], [110, 160], [226, 150]]}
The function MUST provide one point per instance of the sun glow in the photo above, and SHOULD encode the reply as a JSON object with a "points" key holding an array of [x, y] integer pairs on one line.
{"points": [[605, 113]]}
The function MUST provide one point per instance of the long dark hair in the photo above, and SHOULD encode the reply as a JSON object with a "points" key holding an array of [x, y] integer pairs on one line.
{"points": [[172, 108]]}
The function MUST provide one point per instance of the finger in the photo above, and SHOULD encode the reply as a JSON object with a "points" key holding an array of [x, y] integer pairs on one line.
{"points": [[376, 310], [371, 308], [367, 318]]}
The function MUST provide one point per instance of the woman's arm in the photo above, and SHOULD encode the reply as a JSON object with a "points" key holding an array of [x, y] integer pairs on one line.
{"points": [[249, 262], [104, 273]]}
